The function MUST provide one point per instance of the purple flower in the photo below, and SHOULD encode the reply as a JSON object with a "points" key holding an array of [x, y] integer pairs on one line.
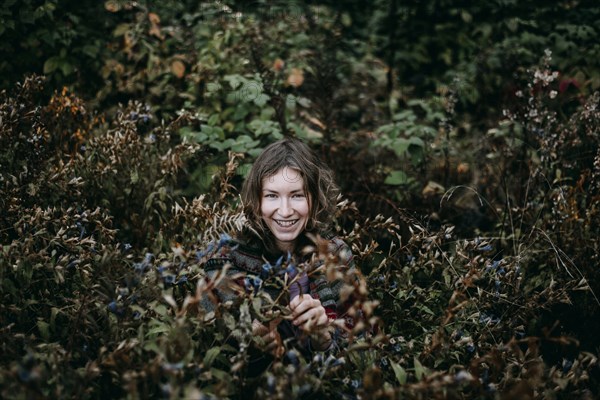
{"points": [[114, 308], [487, 247], [519, 334], [81, 230], [223, 240], [139, 268], [247, 284], [566, 365], [339, 361], [293, 357], [148, 258], [266, 270], [201, 254], [271, 383], [278, 263], [256, 283], [291, 270]]}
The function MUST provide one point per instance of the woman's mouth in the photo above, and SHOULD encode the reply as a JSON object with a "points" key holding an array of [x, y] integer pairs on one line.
{"points": [[285, 223]]}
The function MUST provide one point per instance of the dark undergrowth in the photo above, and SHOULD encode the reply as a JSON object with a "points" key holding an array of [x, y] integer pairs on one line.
{"points": [[476, 238]]}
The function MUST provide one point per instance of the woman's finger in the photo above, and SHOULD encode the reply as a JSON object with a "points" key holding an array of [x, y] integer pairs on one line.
{"points": [[303, 303], [270, 342], [258, 329], [298, 301], [314, 318]]}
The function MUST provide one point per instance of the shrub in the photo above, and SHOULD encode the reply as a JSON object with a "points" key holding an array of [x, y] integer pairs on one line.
{"points": [[102, 269]]}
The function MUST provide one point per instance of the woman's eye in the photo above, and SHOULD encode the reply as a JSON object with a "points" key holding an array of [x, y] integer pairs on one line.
{"points": [[270, 196], [298, 196]]}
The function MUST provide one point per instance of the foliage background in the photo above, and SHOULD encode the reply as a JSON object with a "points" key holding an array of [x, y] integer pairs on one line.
{"points": [[464, 136]]}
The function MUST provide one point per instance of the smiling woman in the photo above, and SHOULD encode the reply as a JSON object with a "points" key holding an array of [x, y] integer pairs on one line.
{"points": [[289, 198], [284, 206]]}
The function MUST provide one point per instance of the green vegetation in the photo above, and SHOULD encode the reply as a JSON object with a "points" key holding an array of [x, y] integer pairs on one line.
{"points": [[465, 138]]}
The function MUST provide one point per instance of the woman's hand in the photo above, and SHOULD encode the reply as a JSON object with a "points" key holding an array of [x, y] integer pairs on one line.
{"points": [[309, 315], [271, 338]]}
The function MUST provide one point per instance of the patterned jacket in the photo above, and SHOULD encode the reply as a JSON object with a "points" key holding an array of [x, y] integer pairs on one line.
{"points": [[252, 269]]}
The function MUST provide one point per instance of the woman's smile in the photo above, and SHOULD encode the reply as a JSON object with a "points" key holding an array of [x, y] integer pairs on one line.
{"points": [[286, 224]]}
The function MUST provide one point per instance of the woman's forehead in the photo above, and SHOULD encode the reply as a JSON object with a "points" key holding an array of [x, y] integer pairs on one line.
{"points": [[285, 178]]}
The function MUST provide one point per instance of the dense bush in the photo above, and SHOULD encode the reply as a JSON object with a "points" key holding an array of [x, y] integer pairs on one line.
{"points": [[471, 197], [88, 315]]}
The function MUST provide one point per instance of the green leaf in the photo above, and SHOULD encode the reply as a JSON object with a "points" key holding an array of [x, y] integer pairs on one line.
{"points": [[396, 178], [426, 309], [152, 347], [220, 375], [466, 17], [44, 329], [399, 372], [261, 100], [121, 29], [420, 370], [240, 113], [400, 146], [212, 87], [234, 80], [53, 313], [405, 115], [229, 320], [135, 177], [416, 141], [214, 119], [91, 50], [210, 356], [160, 309], [244, 143], [157, 329], [51, 65]]}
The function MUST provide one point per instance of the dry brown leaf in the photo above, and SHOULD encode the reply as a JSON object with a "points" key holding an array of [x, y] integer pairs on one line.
{"points": [[154, 18], [432, 189], [178, 68], [155, 28], [112, 6], [462, 168], [296, 77], [278, 65]]}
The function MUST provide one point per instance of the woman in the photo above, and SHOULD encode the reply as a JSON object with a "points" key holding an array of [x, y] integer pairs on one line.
{"points": [[289, 197]]}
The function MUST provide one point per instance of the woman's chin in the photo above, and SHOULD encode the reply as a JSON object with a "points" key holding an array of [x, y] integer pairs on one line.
{"points": [[286, 242]]}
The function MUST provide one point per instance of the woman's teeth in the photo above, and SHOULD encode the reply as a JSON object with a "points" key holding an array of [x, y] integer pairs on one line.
{"points": [[286, 224]]}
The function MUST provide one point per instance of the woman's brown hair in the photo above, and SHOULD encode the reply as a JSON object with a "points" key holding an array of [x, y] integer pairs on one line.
{"points": [[319, 186]]}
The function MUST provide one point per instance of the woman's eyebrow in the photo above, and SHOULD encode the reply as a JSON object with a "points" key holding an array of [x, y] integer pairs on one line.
{"points": [[292, 191]]}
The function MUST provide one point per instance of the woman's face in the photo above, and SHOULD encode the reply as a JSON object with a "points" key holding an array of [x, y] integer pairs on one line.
{"points": [[284, 206]]}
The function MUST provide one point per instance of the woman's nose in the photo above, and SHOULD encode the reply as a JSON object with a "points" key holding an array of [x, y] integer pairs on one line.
{"points": [[285, 209]]}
